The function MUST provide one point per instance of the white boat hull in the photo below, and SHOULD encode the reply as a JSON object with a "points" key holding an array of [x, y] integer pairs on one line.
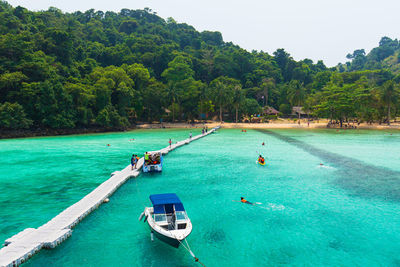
{"points": [[171, 237]]}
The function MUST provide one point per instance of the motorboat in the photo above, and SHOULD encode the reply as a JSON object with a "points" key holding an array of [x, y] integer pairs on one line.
{"points": [[167, 219], [154, 163]]}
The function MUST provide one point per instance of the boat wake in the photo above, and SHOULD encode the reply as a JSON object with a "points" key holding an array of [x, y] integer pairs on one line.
{"points": [[326, 167], [272, 206]]}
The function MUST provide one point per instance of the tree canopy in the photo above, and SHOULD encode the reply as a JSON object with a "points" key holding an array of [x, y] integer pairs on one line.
{"points": [[114, 69]]}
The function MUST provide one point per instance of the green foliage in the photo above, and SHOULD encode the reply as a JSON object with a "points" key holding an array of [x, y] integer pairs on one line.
{"points": [[222, 92], [377, 58], [108, 69], [12, 116], [109, 118], [285, 109], [128, 26], [250, 107], [296, 93]]}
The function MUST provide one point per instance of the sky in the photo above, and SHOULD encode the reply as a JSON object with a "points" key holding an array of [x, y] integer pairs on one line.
{"points": [[316, 29]]}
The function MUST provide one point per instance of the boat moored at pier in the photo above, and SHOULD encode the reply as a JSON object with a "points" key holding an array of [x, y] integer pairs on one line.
{"points": [[167, 219], [153, 162]]}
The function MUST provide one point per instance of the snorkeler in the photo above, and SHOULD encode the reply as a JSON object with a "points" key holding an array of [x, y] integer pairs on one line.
{"points": [[245, 201]]}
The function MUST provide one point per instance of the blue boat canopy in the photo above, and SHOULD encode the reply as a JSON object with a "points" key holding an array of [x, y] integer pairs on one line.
{"points": [[164, 203]]}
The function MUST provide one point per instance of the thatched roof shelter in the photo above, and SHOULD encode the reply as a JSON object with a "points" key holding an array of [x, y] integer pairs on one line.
{"points": [[270, 111], [298, 110]]}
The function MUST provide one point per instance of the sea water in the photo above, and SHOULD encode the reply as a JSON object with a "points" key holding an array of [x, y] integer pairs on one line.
{"points": [[329, 198]]}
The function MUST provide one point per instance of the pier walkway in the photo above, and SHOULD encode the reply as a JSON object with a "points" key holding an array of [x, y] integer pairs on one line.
{"points": [[20, 247]]}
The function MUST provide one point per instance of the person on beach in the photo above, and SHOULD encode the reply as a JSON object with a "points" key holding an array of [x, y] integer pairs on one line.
{"points": [[245, 201], [170, 142], [202, 131]]}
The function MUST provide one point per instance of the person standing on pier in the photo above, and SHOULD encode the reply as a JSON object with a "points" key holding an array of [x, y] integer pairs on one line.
{"points": [[170, 142], [190, 135], [133, 161], [136, 160]]}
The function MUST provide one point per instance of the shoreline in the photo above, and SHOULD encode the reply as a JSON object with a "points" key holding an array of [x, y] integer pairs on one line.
{"points": [[284, 124], [280, 124], [10, 134]]}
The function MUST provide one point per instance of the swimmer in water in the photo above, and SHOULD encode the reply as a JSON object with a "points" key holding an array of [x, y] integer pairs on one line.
{"points": [[245, 201], [263, 144], [108, 144]]}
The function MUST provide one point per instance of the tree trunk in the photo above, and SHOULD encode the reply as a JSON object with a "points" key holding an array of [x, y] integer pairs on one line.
{"points": [[201, 109], [236, 114], [149, 116], [220, 113], [173, 112], [388, 115]]}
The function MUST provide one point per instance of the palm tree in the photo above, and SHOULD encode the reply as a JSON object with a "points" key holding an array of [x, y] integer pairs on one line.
{"points": [[172, 97], [296, 94], [389, 96], [237, 98], [221, 92], [267, 86]]}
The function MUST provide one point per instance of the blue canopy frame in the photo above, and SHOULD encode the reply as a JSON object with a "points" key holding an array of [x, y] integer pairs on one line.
{"points": [[163, 203]]}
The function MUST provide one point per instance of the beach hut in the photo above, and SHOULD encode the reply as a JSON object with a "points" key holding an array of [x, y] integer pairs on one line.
{"points": [[298, 112], [270, 111]]}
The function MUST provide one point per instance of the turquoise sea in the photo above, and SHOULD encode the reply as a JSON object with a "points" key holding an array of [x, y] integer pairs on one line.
{"points": [[345, 212]]}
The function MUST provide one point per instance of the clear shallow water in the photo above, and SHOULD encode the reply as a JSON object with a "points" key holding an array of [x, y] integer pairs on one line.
{"points": [[311, 215]]}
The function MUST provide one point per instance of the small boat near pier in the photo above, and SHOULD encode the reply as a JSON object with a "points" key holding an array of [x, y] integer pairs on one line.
{"points": [[167, 219], [153, 162]]}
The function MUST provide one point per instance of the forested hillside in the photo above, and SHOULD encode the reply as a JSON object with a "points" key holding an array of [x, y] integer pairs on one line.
{"points": [[386, 55], [112, 70]]}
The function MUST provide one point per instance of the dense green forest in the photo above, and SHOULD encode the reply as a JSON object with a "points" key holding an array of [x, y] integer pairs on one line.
{"points": [[113, 70]]}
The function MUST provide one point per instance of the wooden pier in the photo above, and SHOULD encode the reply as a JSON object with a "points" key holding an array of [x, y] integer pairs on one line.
{"points": [[20, 247]]}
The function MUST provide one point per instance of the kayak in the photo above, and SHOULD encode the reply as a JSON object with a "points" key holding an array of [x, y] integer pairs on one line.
{"points": [[261, 163]]}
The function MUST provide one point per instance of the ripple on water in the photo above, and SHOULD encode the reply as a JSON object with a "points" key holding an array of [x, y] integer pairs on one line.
{"points": [[357, 177], [306, 219], [215, 235]]}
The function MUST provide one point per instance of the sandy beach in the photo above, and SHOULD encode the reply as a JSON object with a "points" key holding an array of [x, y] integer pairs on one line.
{"points": [[278, 124]]}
